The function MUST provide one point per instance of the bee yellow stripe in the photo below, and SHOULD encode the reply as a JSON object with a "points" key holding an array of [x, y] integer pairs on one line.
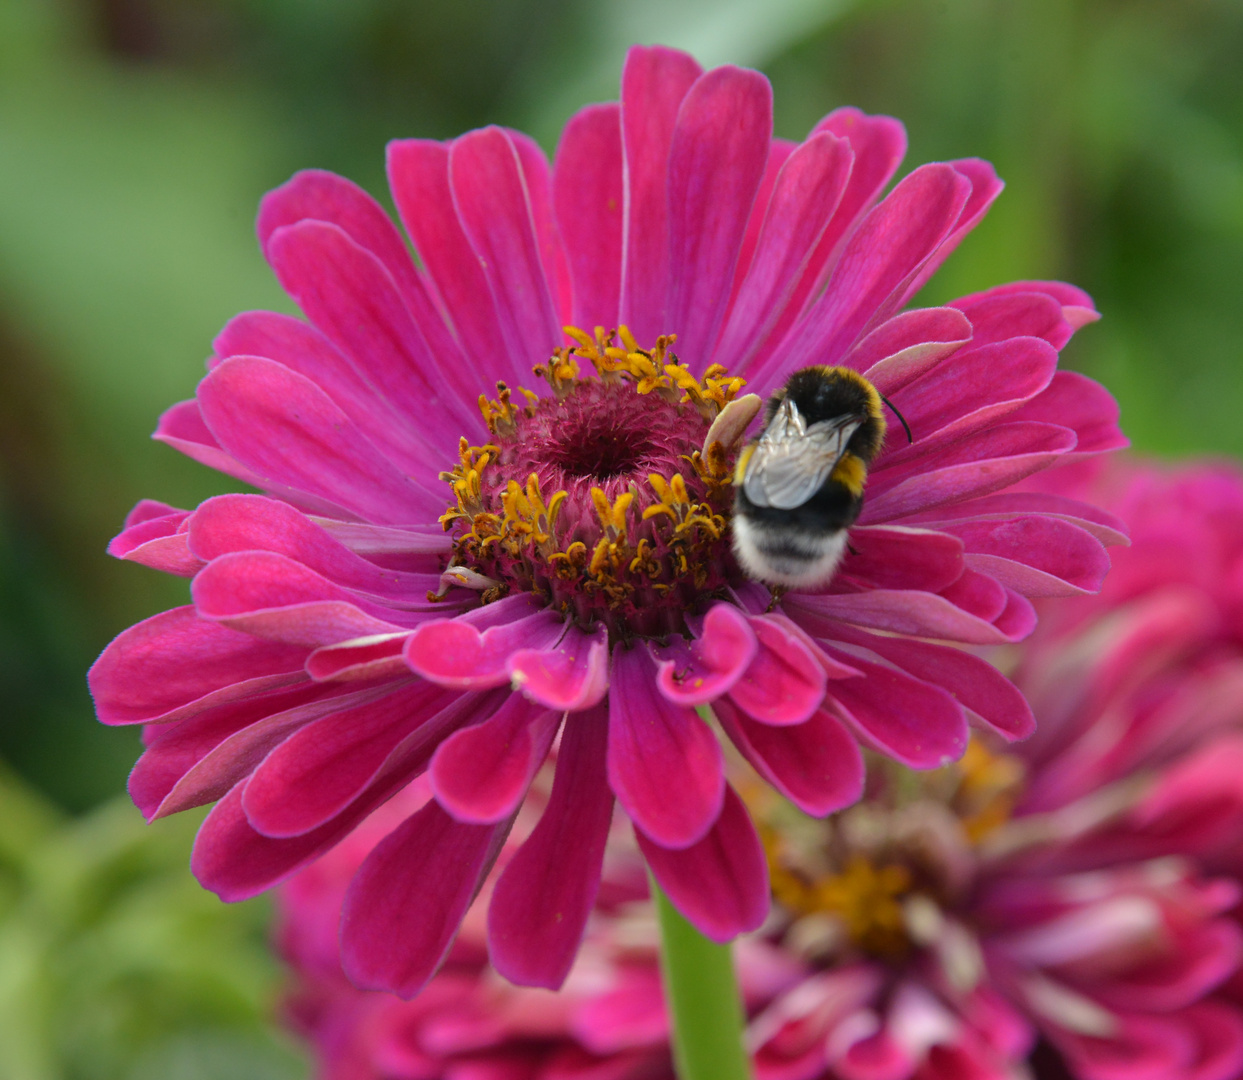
{"points": [[850, 472], [740, 470]]}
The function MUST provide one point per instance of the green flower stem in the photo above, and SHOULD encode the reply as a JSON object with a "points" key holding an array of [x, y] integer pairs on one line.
{"points": [[704, 1004]]}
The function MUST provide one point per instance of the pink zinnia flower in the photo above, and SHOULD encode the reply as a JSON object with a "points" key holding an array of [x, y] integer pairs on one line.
{"points": [[1082, 889], [576, 541], [608, 1022]]}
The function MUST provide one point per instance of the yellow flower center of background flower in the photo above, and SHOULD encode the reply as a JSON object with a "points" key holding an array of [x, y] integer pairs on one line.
{"points": [[866, 880]]}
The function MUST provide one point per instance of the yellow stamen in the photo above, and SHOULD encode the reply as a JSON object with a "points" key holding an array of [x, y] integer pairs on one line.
{"points": [[867, 900], [612, 518], [988, 790], [580, 336], [499, 415]]}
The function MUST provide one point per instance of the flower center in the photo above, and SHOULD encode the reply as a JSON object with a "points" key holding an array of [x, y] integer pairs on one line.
{"points": [[603, 498], [876, 878]]}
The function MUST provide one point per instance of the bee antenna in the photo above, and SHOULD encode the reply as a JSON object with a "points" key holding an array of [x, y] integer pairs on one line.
{"points": [[905, 426]]}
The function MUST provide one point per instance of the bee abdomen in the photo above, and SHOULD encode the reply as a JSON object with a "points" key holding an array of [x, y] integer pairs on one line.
{"points": [[834, 506], [786, 556]]}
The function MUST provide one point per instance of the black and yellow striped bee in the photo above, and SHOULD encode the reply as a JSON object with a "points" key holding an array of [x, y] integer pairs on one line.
{"points": [[799, 486]]}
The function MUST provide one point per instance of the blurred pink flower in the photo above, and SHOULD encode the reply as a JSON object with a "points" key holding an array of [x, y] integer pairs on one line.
{"points": [[577, 543], [607, 1023], [1080, 893]]}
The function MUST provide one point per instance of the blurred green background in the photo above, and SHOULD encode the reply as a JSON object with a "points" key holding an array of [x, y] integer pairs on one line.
{"points": [[136, 137]]}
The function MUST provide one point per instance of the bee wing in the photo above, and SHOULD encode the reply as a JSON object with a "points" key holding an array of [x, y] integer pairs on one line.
{"points": [[789, 466]]}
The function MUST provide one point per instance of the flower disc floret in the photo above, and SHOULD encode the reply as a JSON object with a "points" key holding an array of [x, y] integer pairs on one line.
{"points": [[603, 499]]}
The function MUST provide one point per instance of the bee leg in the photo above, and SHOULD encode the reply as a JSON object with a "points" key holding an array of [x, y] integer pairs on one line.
{"points": [[777, 591], [851, 548]]}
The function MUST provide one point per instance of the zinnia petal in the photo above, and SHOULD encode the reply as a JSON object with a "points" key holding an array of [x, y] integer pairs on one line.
{"points": [[543, 898], [719, 883], [665, 765], [430, 860]]}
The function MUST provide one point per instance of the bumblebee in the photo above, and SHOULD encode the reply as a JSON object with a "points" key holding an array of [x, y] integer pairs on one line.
{"points": [[799, 486]]}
